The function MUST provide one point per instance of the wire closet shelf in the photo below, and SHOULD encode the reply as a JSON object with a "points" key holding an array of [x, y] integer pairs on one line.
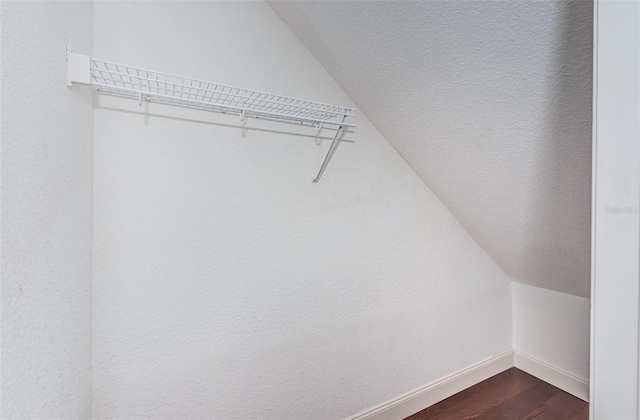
{"points": [[148, 85]]}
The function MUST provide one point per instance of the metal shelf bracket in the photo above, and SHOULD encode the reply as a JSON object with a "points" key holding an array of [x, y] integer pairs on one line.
{"points": [[332, 148]]}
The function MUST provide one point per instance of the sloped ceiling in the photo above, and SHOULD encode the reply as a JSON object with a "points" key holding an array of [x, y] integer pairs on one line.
{"points": [[490, 103]]}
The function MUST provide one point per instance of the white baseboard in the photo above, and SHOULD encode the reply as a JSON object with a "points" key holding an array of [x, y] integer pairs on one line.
{"points": [[553, 375], [427, 395], [436, 391]]}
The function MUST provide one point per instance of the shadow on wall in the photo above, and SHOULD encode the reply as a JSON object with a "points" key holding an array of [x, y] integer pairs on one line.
{"points": [[561, 192]]}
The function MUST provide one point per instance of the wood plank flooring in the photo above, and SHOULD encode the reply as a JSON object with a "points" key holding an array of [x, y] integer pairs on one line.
{"points": [[510, 395]]}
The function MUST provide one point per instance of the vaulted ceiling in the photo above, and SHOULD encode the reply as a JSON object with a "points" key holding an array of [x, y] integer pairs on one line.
{"points": [[490, 103]]}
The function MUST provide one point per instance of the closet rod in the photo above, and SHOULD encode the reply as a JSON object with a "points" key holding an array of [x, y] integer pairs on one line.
{"points": [[149, 85]]}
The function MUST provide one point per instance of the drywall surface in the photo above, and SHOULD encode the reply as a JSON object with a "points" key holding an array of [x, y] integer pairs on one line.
{"points": [[46, 192], [616, 242], [226, 283], [552, 327], [490, 103]]}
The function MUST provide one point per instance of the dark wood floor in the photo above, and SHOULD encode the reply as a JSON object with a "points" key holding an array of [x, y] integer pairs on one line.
{"points": [[510, 395]]}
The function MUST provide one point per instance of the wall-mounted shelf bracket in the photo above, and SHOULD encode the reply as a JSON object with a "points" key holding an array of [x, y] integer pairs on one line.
{"points": [[78, 68], [149, 85], [332, 148]]}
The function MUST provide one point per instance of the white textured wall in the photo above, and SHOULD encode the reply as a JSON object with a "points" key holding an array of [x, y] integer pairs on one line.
{"points": [[226, 284], [490, 103], [552, 327], [46, 214]]}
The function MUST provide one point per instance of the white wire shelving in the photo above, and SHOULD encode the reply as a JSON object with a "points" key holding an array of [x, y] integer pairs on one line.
{"points": [[149, 85]]}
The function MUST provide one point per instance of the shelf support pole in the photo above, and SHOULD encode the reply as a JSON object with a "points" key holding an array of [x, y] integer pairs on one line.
{"points": [[332, 148]]}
